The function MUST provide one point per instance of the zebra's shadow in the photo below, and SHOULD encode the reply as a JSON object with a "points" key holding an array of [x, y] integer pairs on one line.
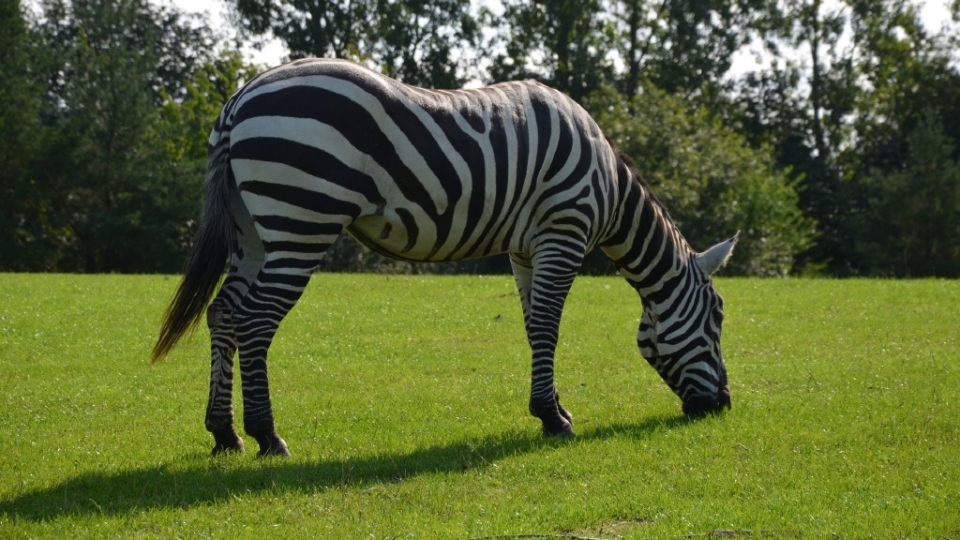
{"points": [[204, 480]]}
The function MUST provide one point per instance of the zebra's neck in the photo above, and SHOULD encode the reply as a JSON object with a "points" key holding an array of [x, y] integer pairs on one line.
{"points": [[646, 245]]}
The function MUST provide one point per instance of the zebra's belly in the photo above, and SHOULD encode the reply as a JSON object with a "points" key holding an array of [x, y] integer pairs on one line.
{"points": [[406, 236], [390, 237]]}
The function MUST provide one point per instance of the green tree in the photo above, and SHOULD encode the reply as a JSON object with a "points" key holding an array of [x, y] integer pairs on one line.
{"points": [[422, 42], [563, 43], [20, 100], [108, 195], [709, 179], [417, 41], [842, 116], [907, 73], [911, 225], [903, 167], [681, 46], [802, 109], [185, 124], [334, 28], [685, 46], [108, 115]]}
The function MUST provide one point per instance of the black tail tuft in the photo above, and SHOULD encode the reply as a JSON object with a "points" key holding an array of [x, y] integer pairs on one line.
{"points": [[211, 248]]}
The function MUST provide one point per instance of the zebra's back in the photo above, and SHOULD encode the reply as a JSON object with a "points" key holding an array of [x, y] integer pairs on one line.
{"points": [[414, 173]]}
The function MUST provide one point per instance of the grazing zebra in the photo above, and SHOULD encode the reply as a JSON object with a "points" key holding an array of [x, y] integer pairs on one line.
{"points": [[317, 146]]}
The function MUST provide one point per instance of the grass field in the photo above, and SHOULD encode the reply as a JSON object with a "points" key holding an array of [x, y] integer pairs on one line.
{"points": [[403, 400]]}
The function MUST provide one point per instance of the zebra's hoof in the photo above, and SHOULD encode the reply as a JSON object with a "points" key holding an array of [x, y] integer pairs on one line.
{"points": [[227, 441], [221, 449], [559, 427], [561, 433], [272, 445]]}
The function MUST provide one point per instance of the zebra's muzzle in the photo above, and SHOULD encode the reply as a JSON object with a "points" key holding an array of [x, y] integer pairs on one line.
{"points": [[700, 405]]}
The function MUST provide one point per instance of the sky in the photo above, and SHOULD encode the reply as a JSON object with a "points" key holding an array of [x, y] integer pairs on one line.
{"points": [[934, 13]]}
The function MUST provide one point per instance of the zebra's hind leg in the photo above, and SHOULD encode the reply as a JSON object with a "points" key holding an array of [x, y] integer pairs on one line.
{"points": [[223, 344], [543, 289], [244, 265], [272, 295]]}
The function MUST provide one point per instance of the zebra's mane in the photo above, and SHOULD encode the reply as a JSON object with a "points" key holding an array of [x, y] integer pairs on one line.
{"points": [[630, 166]]}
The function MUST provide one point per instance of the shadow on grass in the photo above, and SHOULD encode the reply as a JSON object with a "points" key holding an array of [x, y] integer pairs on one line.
{"points": [[198, 481]]}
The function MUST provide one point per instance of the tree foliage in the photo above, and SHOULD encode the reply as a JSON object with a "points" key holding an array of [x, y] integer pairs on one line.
{"points": [[417, 41], [562, 43], [801, 109], [681, 46], [844, 112], [23, 214], [911, 222], [114, 184], [684, 46], [709, 179]]}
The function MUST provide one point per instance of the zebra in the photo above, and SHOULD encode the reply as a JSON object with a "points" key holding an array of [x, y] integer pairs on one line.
{"points": [[316, 147]]}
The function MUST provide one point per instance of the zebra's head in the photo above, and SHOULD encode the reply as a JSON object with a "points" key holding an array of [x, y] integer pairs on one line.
{"points": [[680, 337]]}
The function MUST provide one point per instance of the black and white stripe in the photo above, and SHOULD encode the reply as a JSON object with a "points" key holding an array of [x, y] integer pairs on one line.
{"points": [[315, 147]]}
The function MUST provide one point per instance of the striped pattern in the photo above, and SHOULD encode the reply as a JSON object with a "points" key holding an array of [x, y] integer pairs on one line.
{"points": [[314, 147]]}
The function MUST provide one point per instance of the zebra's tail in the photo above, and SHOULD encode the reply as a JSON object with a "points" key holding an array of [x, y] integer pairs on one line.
{"points": [[213, 244]]}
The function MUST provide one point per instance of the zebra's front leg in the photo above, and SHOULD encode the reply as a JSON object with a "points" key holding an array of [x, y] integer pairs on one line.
{"points": [[223, 345], [541, 316]]}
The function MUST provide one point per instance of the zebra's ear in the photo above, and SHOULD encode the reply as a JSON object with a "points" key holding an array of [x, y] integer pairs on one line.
{"points": [[712, 259]]}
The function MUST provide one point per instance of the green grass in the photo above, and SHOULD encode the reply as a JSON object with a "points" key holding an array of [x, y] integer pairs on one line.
{"points": [[403, 400]]}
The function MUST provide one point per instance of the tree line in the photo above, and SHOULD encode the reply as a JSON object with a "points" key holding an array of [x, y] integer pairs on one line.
{"points": [[837, 156]]}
